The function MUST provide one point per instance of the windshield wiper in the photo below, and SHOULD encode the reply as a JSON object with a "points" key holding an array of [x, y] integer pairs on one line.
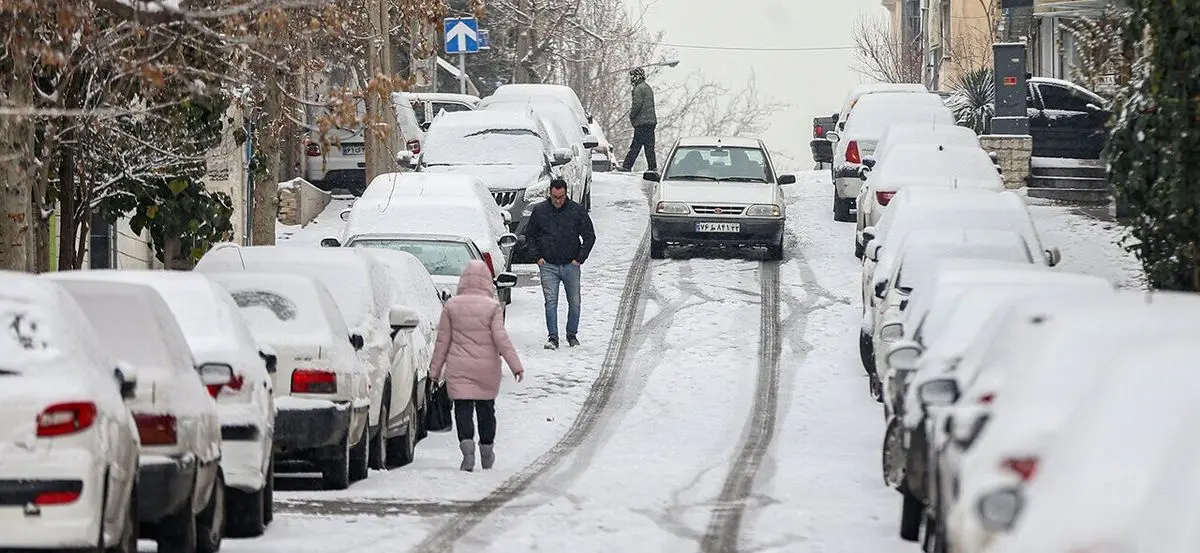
{"points": [[743, 179], [691, 177]]}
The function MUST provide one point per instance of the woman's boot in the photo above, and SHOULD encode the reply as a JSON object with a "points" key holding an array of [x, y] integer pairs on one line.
{"points": [[487, 456], [468, 451]]}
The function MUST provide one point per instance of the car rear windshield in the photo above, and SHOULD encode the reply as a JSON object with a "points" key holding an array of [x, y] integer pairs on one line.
{"points": [[28, 334], [459, 145], [717, 163], [918, 265], [128, 330], [440, 258], [275, 314]]}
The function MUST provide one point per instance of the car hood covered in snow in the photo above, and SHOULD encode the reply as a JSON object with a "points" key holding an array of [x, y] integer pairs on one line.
{"points": [[709, 192], [496, 177]]}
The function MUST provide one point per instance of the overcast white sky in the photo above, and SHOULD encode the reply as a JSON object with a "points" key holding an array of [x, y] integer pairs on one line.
{"points": [[812, 83]]}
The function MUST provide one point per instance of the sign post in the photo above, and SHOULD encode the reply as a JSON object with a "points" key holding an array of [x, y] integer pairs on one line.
{"points": [[462, 37]]}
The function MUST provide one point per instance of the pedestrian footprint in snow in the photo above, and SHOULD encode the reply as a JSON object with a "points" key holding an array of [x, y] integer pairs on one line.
{"points": [[471, 341], [560, 236]]}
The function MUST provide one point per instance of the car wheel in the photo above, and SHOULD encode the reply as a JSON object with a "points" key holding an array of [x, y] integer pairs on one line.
{"points": [[335, 471], [866, 352], [210, 524], [658, 249], [929, 540], [910, 518], [269, 494], [587, 198], [858, 249], [359, 454], [176, 533], [378, 444], [247, 512], [841, 210], [775, 253], [129, 535], [403, 449]]}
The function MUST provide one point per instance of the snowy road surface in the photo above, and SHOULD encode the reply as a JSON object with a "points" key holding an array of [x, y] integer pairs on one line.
{"points": [[716, 404]]}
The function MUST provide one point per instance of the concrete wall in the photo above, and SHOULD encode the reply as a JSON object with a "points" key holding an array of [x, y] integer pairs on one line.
{"points": [[300, 202], [1014, 153], [227, 172]]}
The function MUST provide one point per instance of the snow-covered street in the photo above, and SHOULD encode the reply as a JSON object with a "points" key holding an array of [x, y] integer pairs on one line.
{"points": [[690, 417]]}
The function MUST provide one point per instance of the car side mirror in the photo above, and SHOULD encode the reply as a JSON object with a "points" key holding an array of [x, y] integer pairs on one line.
{"points": [[507, 240], [425, 126], [904, 355], [127, 379], [357, 342], [833, 136], [404, 158], [787, 179], [506, 217], [881, 289], [872, 252], [939, 391], [444, 296], [402, 318], [651, 176], [963, 435], [270, 360], [868, 234], [590, 142], [330, 243], [1053, 256], [215, 374], [506, 280], [869, 162], [590, 118], [344, 214], [562, 156]]}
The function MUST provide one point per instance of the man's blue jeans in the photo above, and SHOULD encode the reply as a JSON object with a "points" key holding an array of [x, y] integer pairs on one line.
{"points": [[551, 276]]}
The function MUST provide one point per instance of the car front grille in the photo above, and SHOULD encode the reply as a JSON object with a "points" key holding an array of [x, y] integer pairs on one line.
{"points": [[505, 198], [718, 209]]}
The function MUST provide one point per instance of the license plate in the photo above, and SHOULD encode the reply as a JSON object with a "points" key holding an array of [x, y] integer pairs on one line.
{"points": [[718, 227], [356, 150]]}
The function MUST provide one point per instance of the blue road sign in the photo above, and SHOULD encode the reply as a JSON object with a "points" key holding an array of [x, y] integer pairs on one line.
{"points": [[462, 35], [484, 43]]}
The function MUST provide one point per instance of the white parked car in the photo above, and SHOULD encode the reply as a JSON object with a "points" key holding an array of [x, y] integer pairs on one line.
{"points": [[428, 105], [216, 333], [861, 90], [321, 389], [864, 126], [338, 160], [913, 134], [912, 165], [69, 447], [562, 93], [510, 152], [604, 156], [181, 487], [359, 284], [718, 191]]}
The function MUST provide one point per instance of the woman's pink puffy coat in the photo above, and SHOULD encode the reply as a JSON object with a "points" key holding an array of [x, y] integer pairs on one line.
{"points": [[471, 338]]}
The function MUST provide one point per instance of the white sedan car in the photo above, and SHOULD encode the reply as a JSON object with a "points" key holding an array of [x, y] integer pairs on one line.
{"points": [[69, 447], [718, 191]]}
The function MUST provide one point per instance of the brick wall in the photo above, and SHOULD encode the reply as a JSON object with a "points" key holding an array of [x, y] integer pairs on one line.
{"points": [[1013, 153], [300, 202]]}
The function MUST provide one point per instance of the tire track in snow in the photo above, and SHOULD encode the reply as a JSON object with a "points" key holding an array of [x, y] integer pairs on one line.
{"points": [[724, 527], [444, 537]]}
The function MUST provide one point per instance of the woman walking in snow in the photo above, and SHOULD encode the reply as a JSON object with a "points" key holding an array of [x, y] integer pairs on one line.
{"points": [[470, 342]]}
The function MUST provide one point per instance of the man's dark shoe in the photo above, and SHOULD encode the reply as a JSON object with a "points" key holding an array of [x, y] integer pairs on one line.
{"points": [[552, 343], [572, 340]]}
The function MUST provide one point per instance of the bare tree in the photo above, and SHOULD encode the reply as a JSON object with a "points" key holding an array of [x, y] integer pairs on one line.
{"points": [[881, 55]]}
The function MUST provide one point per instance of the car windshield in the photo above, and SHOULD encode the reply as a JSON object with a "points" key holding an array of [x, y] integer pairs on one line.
{"points": [[440, 258], [473, 146], [718, 163]]}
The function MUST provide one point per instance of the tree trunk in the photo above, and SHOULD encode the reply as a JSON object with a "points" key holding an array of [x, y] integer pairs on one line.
{"points": [[379, 149], [521, 71], [67, 197], [265, 203], [17, 173]]}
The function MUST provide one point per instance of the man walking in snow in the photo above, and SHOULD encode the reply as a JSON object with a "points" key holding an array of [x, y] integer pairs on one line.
{"points": [[641, 116], [560, 236]]}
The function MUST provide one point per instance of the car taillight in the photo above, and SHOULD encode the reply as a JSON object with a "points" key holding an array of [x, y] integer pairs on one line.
{"points": [[487, 258], [1025, 467], [235, 384], [314, 381], [884, 197], [414, 146], [852, 152], [986, 399], [311, 149], [819, 131], [156, 429], [61, 419], [56, 498]]}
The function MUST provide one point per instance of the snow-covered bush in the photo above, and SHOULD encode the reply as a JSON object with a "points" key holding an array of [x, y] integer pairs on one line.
{"points": [[974, 100]]}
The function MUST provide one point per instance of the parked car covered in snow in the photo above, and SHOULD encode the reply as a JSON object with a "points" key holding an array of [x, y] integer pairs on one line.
{"points": [[718, 191], [321, 389], [338, 160], [181, 486], [216, 333], [428, 105], [538, 91], [69, 447]]}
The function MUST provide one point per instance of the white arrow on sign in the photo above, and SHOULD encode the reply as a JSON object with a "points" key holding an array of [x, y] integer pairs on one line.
{"points": [[461, 32]]}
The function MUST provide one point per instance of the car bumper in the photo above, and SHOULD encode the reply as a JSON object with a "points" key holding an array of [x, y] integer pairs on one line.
{"points": [[164, 485], [244, 464], [301, 430], [846, 181], [74, 525], [751, 232]]}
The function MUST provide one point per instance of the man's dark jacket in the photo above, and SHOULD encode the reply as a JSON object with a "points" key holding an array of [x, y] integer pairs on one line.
{"points": [[560, 235]]}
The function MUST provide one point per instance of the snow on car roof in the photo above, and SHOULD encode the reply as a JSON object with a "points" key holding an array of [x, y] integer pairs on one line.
{"points": [[484, 119], [928, 163], [206, 320], [40, 330], [1118, 440], [387, 187], [283, 308], [349, 275], [922, 249], [730, 141], [562, 92], [448, 215], [413, 286], [863, 89], [949, 135], [955, 208], [133, 322], [873, 113], [443, 96]]}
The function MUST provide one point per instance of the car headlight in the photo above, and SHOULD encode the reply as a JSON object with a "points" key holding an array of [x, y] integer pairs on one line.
{"points": [[998, 510], [763, 210], [672, 208], [540, 190]]}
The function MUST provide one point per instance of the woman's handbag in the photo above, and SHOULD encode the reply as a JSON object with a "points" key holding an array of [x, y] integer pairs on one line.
{"points": [[438, 412]]}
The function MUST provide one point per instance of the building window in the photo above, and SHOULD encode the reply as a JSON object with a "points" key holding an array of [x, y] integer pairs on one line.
{"points": [[947, 30], [100, 245]]}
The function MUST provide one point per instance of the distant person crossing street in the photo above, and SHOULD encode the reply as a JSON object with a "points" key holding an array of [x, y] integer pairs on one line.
{"points": [[643, 120], [560, 236]]}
